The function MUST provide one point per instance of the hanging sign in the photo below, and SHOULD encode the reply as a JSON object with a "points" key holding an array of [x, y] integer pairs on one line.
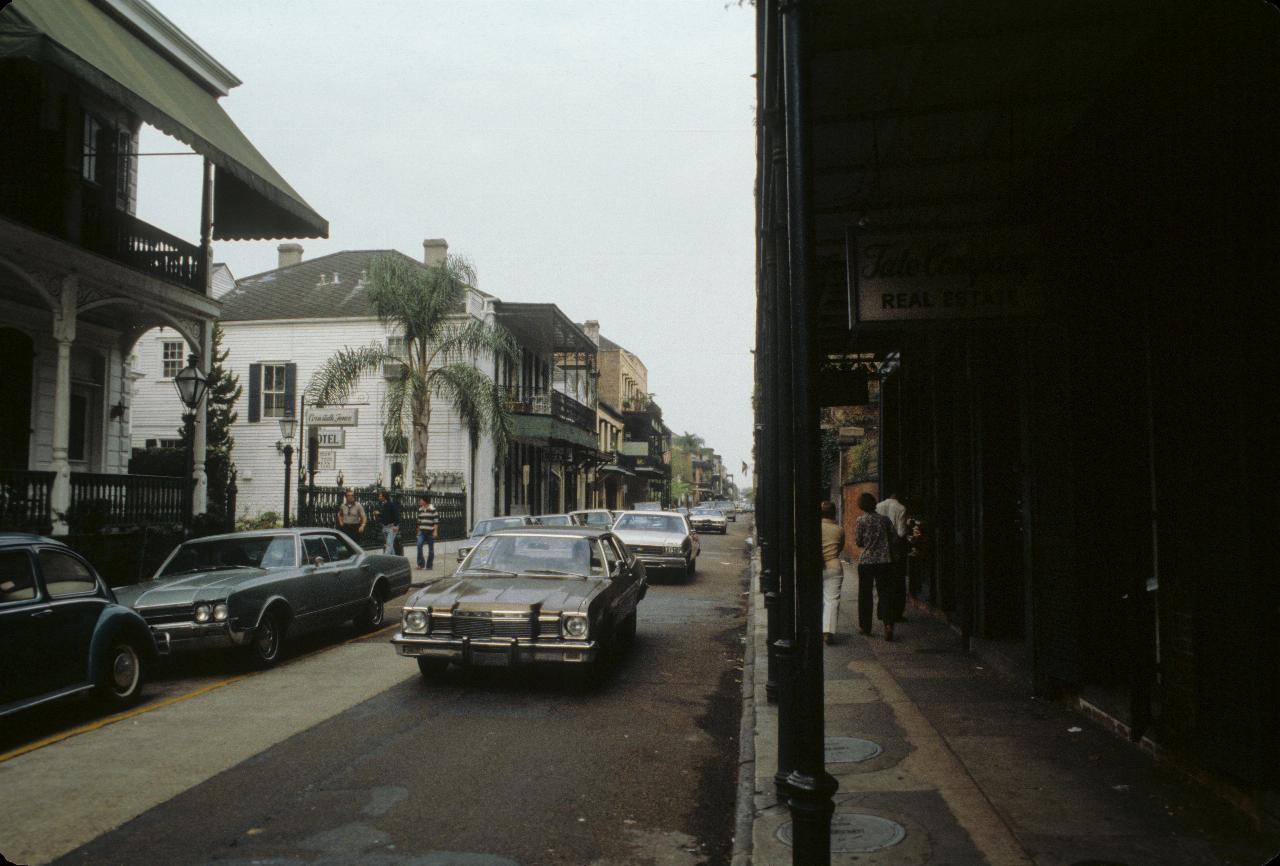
{"points": [[331, 438], [329, 416], [989, 274], [326, 461]]}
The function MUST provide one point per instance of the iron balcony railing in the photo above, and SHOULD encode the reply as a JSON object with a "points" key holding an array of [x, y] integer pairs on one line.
{"points": [[544, 401]]}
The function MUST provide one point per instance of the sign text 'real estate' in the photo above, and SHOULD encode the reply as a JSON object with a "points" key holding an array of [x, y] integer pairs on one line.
{"points": [[934, 275]]}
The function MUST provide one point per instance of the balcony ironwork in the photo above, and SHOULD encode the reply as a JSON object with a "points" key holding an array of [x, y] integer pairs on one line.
{"points": [[543, 401]]}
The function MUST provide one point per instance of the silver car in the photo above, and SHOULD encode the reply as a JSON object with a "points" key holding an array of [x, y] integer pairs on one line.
{"points": [[660, 539], [484, 527], [708, 520]]}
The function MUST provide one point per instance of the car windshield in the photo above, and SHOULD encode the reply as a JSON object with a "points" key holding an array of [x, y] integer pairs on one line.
{"points": [[534, 554], [651, 522], [555, 520], [255, 551], [484, 527], [706, 512], [594, 518]]}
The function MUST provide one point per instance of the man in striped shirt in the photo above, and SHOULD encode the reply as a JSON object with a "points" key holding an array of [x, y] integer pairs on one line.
{"points": [[428, 528]]}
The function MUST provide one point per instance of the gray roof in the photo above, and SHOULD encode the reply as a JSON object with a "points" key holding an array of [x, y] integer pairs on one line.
{"points": [[296, 291], [607, 345]]}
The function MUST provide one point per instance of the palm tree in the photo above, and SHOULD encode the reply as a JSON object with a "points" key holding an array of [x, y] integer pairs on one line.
{"points": [[434, 358]]}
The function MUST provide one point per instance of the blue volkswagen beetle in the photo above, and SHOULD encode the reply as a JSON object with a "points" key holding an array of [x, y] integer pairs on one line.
{"points": [[61, 631]]}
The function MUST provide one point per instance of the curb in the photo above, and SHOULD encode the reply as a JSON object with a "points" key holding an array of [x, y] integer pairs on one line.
{"points": [[744, 811]]}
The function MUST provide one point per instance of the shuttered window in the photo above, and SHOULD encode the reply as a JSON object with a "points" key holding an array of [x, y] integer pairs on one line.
{"points": [[272, 390]]}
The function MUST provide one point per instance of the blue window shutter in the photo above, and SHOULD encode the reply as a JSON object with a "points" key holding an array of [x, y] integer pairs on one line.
{"points": [[290, 389], [255, 392]]}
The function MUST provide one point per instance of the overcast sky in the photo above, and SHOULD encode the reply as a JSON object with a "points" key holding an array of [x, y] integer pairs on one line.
{"points": [[596, 155]]}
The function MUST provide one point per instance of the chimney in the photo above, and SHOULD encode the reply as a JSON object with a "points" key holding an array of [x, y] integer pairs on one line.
{"points": [[434, 251], [290, 254], [592, 329]]}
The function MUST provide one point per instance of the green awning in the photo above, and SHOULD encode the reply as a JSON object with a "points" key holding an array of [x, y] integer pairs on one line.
{"points": [[251, 199]]}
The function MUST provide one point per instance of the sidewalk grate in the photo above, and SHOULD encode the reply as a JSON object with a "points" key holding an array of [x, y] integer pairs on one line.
{"points": [[855, 833], [850, 750]]}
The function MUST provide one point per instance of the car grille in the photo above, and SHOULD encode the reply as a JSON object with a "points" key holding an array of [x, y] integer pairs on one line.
{"points": [[482, 624], [168, 614], [647, 548]]}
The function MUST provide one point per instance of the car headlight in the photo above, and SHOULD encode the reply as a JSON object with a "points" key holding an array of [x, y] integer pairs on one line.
{"points": [[415, 620], [202, 613], [220, 612], [575, 626]]}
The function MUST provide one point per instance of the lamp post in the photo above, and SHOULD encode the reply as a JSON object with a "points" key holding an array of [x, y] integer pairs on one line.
{"points": [[286, 433], [191, 385]]}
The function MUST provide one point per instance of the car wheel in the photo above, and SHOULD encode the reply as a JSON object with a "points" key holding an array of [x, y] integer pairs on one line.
{"points": [[431, 668], [264, 648], [120, 677], [692, 568], [375, 613]]}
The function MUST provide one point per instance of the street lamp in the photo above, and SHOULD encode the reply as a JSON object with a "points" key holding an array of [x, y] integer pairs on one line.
{"points": [[191, 385], [286, 433]]}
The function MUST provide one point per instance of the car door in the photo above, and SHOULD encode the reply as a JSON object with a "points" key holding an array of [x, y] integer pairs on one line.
{"points": [[353, 576], [318, 589], [23, 615], [76, 602]]}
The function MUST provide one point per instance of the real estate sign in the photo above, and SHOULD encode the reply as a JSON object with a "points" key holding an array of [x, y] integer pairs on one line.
{"points": [[973, 274]]}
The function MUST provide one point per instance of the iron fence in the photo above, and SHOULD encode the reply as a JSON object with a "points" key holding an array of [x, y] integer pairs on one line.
{"points": [[322, 510]]}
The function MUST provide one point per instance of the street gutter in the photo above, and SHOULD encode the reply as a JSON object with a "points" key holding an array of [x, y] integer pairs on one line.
{"points": [[744, 813]]}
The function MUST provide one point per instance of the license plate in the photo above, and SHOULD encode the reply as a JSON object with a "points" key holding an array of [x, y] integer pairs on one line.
{"points": [[490, 659]]}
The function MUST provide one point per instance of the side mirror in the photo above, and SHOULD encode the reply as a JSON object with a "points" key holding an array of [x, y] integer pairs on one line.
{"points": [[616, 571]]}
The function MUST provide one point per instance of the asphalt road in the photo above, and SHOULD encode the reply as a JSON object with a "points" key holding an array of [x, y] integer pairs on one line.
{"points": [[344, 755]]}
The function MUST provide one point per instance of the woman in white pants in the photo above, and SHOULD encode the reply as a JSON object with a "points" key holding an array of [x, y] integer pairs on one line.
{"points": [[832, 572]]}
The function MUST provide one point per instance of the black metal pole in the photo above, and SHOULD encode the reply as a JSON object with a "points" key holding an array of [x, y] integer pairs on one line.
{"points": [[809, 785], [288, 467]]}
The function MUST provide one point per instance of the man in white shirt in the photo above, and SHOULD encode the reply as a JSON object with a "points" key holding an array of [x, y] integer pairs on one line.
{"points": [[891, 508]]}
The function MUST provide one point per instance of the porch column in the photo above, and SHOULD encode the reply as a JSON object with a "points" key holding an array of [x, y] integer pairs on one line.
{"points": [[199, 480], [64, 332]]}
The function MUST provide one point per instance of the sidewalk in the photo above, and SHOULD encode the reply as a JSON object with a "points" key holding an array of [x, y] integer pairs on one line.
{"points": [[941, 760]]}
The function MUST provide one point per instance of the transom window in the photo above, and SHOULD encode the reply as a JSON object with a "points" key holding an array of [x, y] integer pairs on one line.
{"points": [[273, 394], [171, 356]]}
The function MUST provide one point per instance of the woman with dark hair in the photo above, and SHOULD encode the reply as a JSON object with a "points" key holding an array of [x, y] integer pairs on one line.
{"points": [[875, 566]]}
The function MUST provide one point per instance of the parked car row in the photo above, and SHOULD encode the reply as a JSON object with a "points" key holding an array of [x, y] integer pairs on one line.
{"points": [[561, 588], [63, 631]]}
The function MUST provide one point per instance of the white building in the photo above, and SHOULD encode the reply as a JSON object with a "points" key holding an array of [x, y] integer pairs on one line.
{"points": [[81, 277], [279, 327], [160, 353]]}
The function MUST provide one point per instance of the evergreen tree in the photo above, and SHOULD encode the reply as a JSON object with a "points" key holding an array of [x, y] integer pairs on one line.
{"points": [[220, 400]]}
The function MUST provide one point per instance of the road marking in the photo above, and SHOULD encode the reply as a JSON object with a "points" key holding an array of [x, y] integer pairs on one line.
{"points": [[98, 724], [111, 720]]}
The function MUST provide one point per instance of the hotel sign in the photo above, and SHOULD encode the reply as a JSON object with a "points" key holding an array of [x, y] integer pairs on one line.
{"points": [[331, 438], [329, 416], [989, 274]]}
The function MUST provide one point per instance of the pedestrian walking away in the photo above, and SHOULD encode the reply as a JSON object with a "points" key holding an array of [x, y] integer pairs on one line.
{"points": [[832, 571], [428, 529], [389, 517], [892, 508], [351, 517], [872, 533]]}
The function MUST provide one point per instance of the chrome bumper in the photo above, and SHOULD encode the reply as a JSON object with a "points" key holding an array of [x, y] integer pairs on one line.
{"points": [[188, 636], [655, 560], [500, 652]]}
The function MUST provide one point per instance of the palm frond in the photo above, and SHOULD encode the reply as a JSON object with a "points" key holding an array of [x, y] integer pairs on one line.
{"points": [[476, 400], [338, 376], [477, 336], [417, 301]]}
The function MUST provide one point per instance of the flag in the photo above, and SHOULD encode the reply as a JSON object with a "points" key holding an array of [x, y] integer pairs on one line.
{"points": [[744, 469]]}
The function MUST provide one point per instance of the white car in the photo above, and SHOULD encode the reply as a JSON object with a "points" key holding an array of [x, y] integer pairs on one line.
{"points": [[709, 520], [662, 540]]}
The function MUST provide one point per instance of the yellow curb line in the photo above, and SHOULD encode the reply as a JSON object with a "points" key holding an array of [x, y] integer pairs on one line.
{"points": [[109, 720]]}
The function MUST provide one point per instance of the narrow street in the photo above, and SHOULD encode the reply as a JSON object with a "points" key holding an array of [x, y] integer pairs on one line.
{"points": [[376, 766]]}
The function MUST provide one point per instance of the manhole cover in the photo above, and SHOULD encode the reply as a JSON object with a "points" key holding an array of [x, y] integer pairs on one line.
{"points": [[855, 833], [850, 750]]}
